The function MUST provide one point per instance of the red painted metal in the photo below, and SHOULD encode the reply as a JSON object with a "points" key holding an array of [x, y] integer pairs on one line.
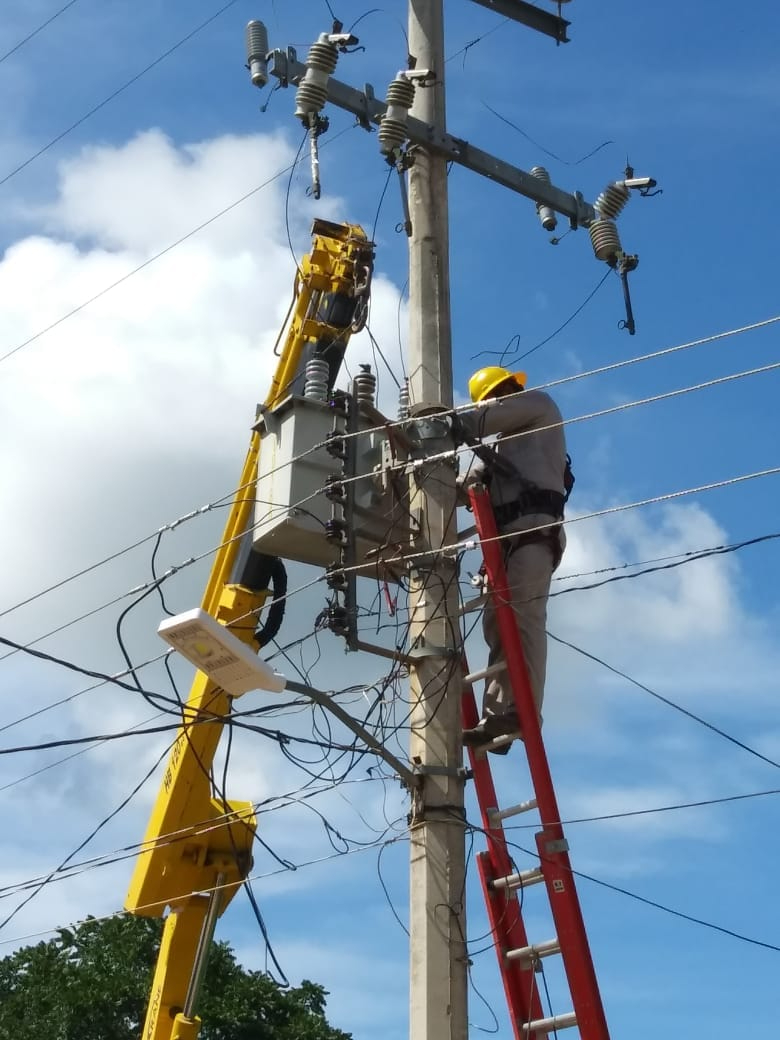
{"points": [[503, 907], [551, 844]]}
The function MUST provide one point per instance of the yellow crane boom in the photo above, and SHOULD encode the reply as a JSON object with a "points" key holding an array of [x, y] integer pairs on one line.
{"points": [[198, 849]]}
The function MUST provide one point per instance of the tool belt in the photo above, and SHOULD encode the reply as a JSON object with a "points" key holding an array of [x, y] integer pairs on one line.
{"points": [[533, 501]]}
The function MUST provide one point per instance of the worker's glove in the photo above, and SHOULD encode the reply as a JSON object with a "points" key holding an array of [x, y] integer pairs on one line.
{"points": [[461, 434]]}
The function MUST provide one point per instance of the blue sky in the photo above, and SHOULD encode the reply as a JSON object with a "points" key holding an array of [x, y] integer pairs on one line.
{"points": [[136, 410]]}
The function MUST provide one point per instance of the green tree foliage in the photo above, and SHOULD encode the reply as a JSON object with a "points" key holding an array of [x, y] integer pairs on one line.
{"points": [[93, 983]]}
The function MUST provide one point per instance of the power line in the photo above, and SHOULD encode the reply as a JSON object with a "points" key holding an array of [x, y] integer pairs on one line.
{"points": [[150, 260], [665, 352], [391, 425], [552, 155], [40, 28], [645, 900], [161, 904], [114, 94], [669, 703], [703, 803], [689, 557]]}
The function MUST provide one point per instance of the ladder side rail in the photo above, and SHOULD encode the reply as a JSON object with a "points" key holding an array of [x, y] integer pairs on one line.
{"points": [[551, 843], [508, 929], [504, 909]]}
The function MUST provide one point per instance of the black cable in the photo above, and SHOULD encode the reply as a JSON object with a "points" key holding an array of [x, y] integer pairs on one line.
{"points": [[40, 28], [123, 648], [116, 93], [571, 317], [288, 189], [541, 148], [705, 802], [157, 580], [381, 200], [115, 680], [688, 557], [669, 703], [85, 842], [643, 899]]}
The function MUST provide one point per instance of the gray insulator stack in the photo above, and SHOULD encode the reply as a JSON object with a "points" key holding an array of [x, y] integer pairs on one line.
{"points": [[392, 130], [605, 240], [546, 215], [403, 401], [256, 52], [312, 92], [364, 385], [612, 200], [316, 375]]}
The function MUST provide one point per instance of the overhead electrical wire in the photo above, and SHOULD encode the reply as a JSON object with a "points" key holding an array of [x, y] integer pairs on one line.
{"points": [[38, 888], [203, 509], [656, 810], [688, 557], [30, 35], [114, 94], [666, 700], [731, 933], [160, 904], [552, 155], [156, 256], [623, 406]]}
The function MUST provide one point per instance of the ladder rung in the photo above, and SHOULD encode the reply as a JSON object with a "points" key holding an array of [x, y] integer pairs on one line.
{"points": [[533, 953], [497, 815], [544, 1025], [492, 669], [520, 880]]}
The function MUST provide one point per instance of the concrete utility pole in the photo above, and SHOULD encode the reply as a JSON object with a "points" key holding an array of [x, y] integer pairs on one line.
{"points": [[438, 959]]}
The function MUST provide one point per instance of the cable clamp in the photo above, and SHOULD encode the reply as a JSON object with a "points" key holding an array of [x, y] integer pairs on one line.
{"points": [[432, 651], [458, 772]]}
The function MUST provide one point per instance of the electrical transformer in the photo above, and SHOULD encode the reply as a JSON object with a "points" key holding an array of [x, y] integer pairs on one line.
{"points": [[307, 464]]}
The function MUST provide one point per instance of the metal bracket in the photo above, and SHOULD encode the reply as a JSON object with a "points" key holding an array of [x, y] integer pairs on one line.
{"points": [[457, 772], [530, 15], [431, 651]]}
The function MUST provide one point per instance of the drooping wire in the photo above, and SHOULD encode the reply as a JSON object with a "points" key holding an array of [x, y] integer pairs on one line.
{"points": [[552, 155], [571, 317]]}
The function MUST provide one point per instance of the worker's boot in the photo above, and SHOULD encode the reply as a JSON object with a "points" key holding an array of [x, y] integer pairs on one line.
{"points": [[489, 729]]}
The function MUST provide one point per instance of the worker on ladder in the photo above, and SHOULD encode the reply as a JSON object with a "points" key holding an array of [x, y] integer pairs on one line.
{"points": [[529, 478]]}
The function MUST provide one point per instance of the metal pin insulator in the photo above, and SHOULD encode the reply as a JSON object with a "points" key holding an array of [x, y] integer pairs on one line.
{"points": [[546, 215]]}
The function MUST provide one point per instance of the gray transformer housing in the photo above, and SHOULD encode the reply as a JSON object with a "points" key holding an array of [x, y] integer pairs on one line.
{"points": [[291, 508]]}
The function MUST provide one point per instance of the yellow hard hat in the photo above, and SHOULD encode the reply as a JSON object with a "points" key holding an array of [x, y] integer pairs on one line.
{"points": [[482, 383]]}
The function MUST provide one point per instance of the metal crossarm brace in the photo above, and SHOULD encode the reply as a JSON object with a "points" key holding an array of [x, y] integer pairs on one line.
{"points": [[550, 841], [519, 11], [369, 109]]}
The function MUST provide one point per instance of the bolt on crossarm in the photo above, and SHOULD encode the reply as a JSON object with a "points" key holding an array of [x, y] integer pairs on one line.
{"points": [[198, 848]]}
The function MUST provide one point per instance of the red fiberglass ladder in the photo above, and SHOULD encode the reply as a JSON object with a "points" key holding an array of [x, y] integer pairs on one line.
{"points": [[503, 886]]}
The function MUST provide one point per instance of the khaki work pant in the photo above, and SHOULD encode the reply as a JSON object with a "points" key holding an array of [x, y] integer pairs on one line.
{"points": [[529, 570]]}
